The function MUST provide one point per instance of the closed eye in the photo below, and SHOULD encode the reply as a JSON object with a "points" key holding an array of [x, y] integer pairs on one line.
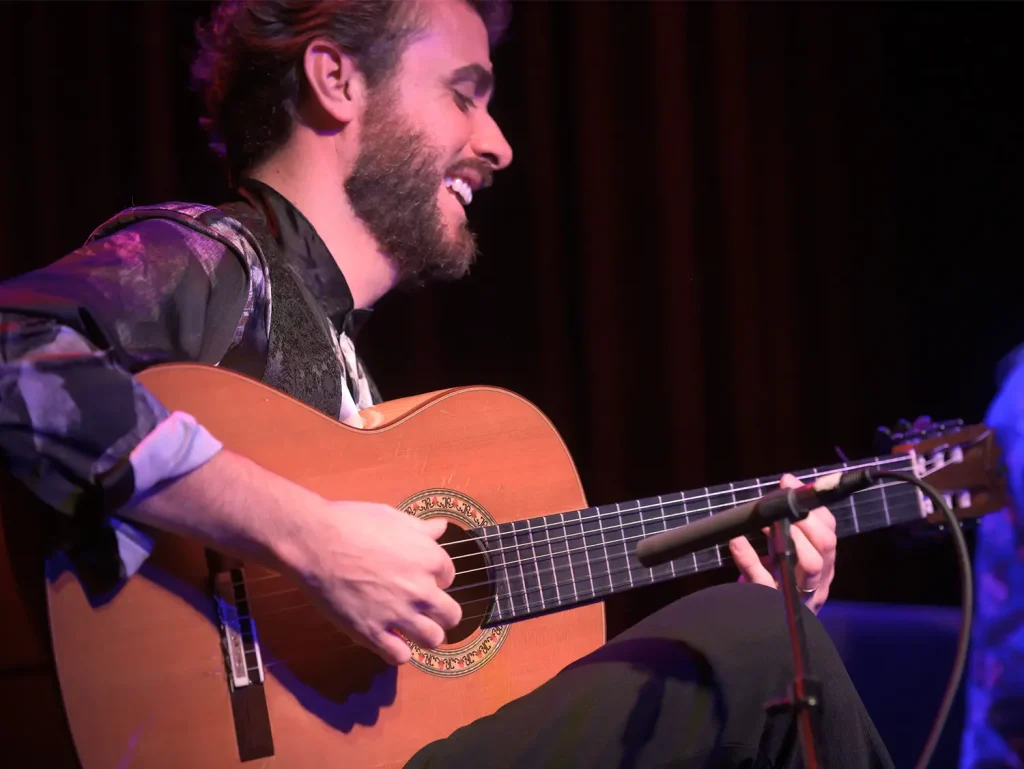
{"points": [[478, 79], [464, 103]]}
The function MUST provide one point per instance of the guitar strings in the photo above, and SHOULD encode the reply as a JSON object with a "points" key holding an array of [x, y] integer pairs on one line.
{"points": [[660, 505], [615, 529], [871, 511], [875, 512], [593, 594], [617, 514], [838, 510], [865, 516]]}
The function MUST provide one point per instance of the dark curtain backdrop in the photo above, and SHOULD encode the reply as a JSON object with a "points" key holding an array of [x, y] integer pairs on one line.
{"points": [[735, 236]]}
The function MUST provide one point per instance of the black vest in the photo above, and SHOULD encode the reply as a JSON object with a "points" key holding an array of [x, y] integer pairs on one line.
{"points": [[299, 358]]}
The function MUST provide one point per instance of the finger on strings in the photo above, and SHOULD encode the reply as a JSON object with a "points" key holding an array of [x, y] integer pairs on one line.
{"points": [[790, 481], [391, 647], [810, 564], [825, 516], [749, 562], [421, 630], [442, 609]]}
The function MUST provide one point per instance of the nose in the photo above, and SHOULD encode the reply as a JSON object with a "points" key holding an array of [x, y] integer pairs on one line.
{"points": [[490, 143]]}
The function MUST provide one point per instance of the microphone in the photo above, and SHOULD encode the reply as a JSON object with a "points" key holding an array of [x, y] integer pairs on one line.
{"points": [[752, 516]]}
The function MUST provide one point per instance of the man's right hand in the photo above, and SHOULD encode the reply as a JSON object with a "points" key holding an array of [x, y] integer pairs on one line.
{"points": [[375, 570]]}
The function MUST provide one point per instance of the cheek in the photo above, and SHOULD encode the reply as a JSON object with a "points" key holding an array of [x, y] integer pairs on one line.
{"points": [[446, 127], [429, 104], [450, 132]]}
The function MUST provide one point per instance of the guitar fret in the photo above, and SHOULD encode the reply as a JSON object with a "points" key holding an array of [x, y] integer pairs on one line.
{"points": [[564, 537], [652, 514], [594, 539], [714, 498], [551, 576], [578, 553], [514, 556], [691, 515], [732, 491], [500, 551], [527, 566], [614, 568], [536, 564], [633, 529], [664, 523], [633, 540], [712, 556], [718, 551], [604, 547], [853, 509], [555, 536]]}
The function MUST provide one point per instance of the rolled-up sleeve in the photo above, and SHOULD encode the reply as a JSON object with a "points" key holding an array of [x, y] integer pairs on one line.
{"points": [[76, 427]]}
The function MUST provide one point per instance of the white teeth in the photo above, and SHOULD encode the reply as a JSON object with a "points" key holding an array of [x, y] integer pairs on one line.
{"points": [[461, 189]]}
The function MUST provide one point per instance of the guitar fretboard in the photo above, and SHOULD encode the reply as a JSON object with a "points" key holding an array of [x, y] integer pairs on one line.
{"points": [[557, 561]]}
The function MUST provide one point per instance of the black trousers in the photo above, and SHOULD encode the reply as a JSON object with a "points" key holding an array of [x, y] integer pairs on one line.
{"points": [[684, 688]]}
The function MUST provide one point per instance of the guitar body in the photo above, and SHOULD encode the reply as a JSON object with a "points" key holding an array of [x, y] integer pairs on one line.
{"points": [[142, 675]]}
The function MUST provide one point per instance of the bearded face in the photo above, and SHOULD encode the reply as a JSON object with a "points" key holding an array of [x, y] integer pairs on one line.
{"points": [[411, 197]]}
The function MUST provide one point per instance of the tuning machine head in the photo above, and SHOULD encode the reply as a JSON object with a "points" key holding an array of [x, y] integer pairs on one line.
{"points": [[906, 433]]}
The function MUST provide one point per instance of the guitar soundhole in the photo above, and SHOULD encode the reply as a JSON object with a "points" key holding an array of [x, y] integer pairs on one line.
{"points": [[472, 587]]}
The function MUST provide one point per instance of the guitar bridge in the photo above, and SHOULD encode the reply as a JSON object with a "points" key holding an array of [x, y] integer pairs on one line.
{"points": [[238, 631]]}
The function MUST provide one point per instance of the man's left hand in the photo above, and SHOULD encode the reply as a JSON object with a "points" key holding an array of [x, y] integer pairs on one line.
{"points": [[815, 540]]}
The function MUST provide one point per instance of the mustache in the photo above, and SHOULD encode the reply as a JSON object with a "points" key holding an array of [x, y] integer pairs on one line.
{"points": [[480, 169]]}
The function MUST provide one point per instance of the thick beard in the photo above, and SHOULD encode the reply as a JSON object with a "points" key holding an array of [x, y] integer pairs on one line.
{"points": [[393, 190]]}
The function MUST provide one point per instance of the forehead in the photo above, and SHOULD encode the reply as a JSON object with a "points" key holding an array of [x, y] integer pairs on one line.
{"points": [[453, 36]]}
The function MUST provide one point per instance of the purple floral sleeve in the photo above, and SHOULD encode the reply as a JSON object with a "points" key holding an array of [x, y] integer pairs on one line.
{"points": [[153, 287]]}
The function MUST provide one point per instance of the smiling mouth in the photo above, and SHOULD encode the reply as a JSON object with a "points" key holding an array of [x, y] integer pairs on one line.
{"points": [[460, 189]]}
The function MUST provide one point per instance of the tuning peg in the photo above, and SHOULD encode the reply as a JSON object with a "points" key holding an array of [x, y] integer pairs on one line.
{"points": [[905, 431]]}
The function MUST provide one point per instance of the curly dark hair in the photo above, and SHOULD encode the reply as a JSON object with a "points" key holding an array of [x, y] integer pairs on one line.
{"points": [[248, 68]]}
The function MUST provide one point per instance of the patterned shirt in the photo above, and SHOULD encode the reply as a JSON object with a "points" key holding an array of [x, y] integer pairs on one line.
{"points": [[75, 426], [994, 725]]}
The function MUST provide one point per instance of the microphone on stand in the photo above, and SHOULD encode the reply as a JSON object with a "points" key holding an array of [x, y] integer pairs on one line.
{"points": [[752, 516], [777, 509]]}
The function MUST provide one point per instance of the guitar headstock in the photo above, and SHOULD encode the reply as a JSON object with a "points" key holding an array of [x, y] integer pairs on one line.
{"points": [[962, 462], [905, 432]]}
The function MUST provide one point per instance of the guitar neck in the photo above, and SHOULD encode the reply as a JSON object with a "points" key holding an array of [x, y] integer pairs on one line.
{"points": [[558, 561]]}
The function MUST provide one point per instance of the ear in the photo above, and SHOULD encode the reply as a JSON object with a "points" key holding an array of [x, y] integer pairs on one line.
{"points": [[334, 81]]}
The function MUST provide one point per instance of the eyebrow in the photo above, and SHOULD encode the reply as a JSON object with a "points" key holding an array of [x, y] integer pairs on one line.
{"points": [[482, 79]]}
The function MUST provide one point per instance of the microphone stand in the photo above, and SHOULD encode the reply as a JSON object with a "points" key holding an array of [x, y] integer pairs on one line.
{"points": [[777, 510], [804, 698]]}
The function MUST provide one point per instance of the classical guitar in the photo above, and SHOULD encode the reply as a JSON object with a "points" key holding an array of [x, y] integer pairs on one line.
{"points": [[202, 662]]}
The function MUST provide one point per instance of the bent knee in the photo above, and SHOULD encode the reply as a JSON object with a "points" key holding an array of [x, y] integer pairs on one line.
{"points": [[734, 618]]}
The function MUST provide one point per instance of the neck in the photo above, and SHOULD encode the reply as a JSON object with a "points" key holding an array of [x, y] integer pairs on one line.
{"points": [[567, 559], [310, 176]]}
